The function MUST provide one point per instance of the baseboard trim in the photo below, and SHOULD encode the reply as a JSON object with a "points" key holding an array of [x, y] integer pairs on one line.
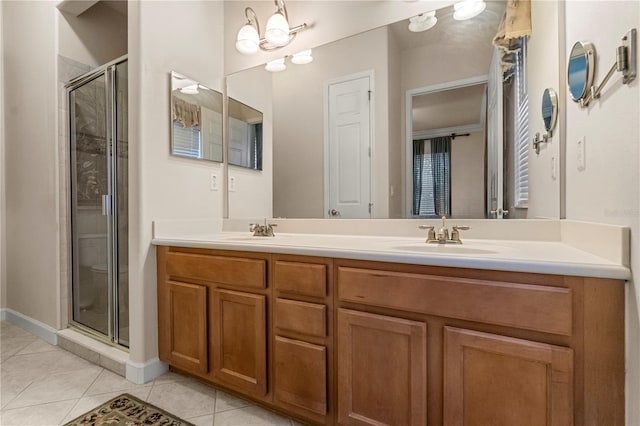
{"points": [[141, 373], [40, 329]]}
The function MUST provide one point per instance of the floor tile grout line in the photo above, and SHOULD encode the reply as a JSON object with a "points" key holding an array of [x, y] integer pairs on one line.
{"points": [[92, 383], [37, 405]]}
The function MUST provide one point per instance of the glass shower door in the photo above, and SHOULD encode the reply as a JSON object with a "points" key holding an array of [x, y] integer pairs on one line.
{"points": [[90, 188], [99, 202]]}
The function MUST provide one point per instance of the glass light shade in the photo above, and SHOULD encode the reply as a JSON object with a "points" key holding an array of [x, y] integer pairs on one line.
{"points": [[302, 58], [276, 65], [277, 30], [468, 9], [190, 90], [422, 22], [248, 40]]}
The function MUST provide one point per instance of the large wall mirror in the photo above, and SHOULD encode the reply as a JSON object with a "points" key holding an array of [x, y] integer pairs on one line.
{"points": [[196, 120], [391, 123]]}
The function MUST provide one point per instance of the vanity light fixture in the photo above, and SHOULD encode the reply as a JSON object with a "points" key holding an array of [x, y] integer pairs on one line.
{"points": [[278, 32], [468, 9], [302, 58], [422, 22], [275, 65]]}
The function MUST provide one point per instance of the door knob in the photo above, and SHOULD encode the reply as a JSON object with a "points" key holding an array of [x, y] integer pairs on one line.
{"points": [[334, 212], [500, 211]]}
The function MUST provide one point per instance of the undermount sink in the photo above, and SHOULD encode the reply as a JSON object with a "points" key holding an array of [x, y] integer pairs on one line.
{"points": [[444, 249]]}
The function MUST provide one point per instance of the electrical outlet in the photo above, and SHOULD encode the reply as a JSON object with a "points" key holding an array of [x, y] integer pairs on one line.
{"points": [[581, 154], [232, 184], [213, 182]]}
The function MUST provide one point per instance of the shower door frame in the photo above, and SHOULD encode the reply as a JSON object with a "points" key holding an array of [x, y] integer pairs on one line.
{"points": [[109, 204]]}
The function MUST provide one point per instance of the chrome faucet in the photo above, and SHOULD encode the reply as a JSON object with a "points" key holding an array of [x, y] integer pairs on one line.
{"points": [[442, 236], [265, 230]]}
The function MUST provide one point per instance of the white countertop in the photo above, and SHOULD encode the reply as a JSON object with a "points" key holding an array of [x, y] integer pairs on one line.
{"points": [[505, 255]]}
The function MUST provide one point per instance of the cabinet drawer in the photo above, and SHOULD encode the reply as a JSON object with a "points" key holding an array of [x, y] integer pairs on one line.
{"points": [[532, 307], [219, 269], [308, 279], [301, 317], [301, 375]]}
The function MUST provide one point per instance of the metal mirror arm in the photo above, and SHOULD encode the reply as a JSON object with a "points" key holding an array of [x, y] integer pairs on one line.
{"points": [[626, 59], [541, 139]]}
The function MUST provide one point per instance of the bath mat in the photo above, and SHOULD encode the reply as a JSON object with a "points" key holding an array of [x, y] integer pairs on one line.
{"points": [[130, 411]]}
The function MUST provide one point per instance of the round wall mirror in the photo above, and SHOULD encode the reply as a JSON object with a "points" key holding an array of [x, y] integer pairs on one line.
{"points": [[580, 70], [549, 109]]}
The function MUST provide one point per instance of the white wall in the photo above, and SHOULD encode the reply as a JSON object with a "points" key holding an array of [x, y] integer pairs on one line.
{"points": [[396, 122], [607, 190], [298, 114], [467, 176], [544, 71], [29, 54], [253, 195], [163, 36], [330, 21]]}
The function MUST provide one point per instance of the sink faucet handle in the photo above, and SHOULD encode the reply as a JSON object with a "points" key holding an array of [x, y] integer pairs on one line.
{"points": [[455, 234], [431, 234]]}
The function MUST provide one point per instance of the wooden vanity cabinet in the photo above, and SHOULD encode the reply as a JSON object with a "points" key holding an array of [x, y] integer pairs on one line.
{"points": [[212, 316], [502, 348], [302, 336], [349, 342]]}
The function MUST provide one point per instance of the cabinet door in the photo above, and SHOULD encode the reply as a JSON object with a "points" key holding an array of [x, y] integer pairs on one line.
{"points": [[239, 340], [382, 373], [502, 381], [183, 326], [301, 374]]}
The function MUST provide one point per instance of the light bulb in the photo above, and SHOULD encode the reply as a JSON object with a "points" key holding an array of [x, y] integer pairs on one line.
{"points": [[275, 65], [248, 40], [422, 22], [302, 58], [190, 90], [468, 9], [277, 30]]}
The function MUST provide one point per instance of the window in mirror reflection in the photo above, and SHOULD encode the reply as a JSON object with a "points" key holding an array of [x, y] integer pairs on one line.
{"points": [[432, 177], [196, 120], [245, 135]]}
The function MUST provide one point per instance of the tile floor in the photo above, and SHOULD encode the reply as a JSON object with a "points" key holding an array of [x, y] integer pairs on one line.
{"points": [[42, 384]]}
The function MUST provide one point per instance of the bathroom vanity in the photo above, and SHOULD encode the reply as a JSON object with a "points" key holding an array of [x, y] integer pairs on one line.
{"points": [[363, 337]]}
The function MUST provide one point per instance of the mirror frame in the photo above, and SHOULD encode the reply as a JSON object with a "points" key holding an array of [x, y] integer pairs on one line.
{"points": [[172, 75], [589, 53]]}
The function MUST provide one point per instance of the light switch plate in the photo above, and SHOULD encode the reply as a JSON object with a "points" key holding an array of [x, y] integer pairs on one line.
{"points": [[554, 168], [232, 184], [581, 154], [213, 182]]}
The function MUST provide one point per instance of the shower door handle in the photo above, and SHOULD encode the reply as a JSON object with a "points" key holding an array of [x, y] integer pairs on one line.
{"points": [[106, 205]]}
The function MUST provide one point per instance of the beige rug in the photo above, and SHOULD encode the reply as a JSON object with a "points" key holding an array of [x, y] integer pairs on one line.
{"points": [[130, 411]]}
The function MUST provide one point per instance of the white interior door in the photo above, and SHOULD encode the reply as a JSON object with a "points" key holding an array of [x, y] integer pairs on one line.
{"points": [[349, 149], [495, 145]]}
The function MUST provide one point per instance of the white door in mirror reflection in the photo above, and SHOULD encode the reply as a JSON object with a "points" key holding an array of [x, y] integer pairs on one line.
{"points": [[349, 155]]}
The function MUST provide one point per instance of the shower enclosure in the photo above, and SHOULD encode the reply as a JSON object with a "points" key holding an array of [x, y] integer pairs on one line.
{"points": [[99, 202]]}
